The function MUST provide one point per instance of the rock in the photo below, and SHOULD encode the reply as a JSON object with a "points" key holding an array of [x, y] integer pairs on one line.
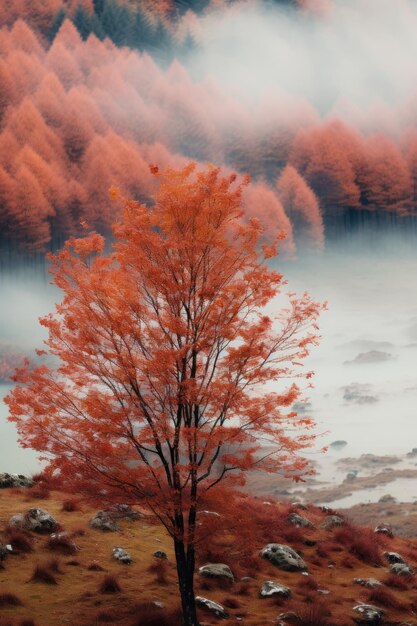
{"points": [[299, 521], [413, 453], [271, 588], [369, 614], [122, 511], [387, 498], [323, 592], [216, 570], [159, 554], [401, 569], [289, 617], [359, 393], [283, 557], [331, 521], [394, 557], [370, 583], [299, 505], [5, 551], [339, 444], [372, 356], [384, 529], [14, 480], [351, 475], [36, 520], [121, 555], [214, 513], [62, 541], [211, 606], [103, 521]]}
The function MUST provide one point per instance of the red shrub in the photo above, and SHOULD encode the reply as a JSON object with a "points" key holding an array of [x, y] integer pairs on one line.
{"points": [[9, 599], [39, 492], [231, 603], [307, 582], [109, 584], [386, 598], [69, 506], [151, 615], [362, 543], [316, 613], [42, 574], [27, 622], [20, 540], [404, 583], [160, 569]]}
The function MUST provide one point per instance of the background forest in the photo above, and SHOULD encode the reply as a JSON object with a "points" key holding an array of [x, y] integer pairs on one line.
{"points": [[92, 92]]}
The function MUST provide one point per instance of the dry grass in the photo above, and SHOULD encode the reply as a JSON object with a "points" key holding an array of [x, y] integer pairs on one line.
{"points": [[43, 574], [9, 599], [385, 598], [20, 540], [109, 584], [70, 506]]}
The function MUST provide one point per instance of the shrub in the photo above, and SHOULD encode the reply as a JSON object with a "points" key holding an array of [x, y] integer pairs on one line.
{"points": [[160, 570], [95, 567], [69, 506], [362, 543], [109, 584], [231, 603], [9, 599], [386, 598], [243, 589], [27, 622], [316, 613], [42, 574], [20, 540], [73, 563], [105, 617], [307, 582], [54, 566], [403, 583], [39, 491]]}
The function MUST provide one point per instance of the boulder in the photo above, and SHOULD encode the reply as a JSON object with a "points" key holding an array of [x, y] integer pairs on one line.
{"points": [[370, 583], [368, 614], [271, 588], [36, 520], [122, 511], [299, 505], [332, 521], [299, 520], [216, 570], [14, 480], [121, 555], [384, 529], [387, 499], [5, 551], [102, 520], [211, 606], [283, 557], [401, 569], [159, 554], [394, 557]]}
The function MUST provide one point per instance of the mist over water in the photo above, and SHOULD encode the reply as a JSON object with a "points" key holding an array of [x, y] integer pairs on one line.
{"points": [[372, 297]]}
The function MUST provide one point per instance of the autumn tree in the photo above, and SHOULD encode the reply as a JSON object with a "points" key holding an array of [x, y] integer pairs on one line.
{"points": [[164, 350]]}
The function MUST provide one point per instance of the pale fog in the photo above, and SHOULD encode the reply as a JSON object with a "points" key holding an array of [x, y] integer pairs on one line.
{"points": [[368, 401], [349, 60]]}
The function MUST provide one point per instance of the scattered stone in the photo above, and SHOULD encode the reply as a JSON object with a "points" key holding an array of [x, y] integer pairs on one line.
{"points": [[351, 475], [413, 453], [384, 529], [394, 557], [122, 511], [121, 555], [331, 521], [216, 570], [158, 604], [387, 499], [62, 540], [159, 554], [339, 444], [14, 480], [283, 557], [5, 551], [299, 521], [369, 614], [289, 617], [102, 520], [299, 505], [401, 569], [271, 588], [214, 513], [211, 606], [372, 356], [370, 583], [36, 520], [323, 592]]}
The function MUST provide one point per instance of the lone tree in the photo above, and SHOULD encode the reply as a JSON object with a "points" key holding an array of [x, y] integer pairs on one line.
{"points": [[162, 352]]}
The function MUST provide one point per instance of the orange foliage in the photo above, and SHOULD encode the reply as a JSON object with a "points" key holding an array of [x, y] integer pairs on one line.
{"points": [[164, 350]]}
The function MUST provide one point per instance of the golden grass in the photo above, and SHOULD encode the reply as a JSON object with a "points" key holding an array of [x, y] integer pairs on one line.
{"points": [[76, 598]]}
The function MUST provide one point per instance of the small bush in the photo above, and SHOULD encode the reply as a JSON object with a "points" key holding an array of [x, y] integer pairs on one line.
{"points": [[105, 617], [27, 622], [160, 570], [231, 603], [363, 543], [316, 613], [348, 561], [403, 583], [95, 567], [73, 563], [9, 599], [243, 589], [54, 566], [307, 583], [69, 506], [20, 540], [385, 598], [38, 492], [42, 574], [109, 584]]}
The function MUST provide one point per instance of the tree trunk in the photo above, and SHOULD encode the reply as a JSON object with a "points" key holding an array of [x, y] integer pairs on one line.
{"points": [[185, 570]]}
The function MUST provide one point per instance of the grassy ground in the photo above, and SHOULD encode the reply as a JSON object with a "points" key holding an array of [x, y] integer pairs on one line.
{"points": [[77, 599]]}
